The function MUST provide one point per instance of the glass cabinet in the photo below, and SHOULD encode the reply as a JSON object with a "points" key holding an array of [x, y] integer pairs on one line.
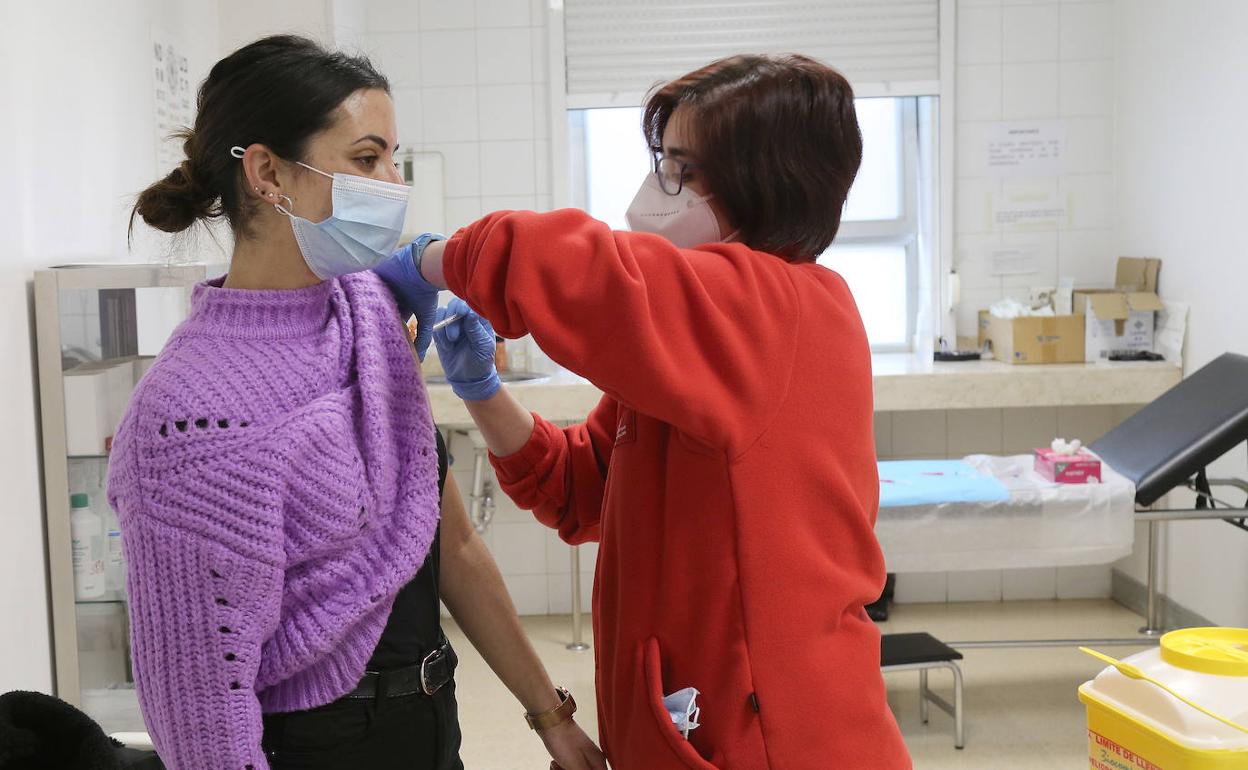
{"points": [[99, 328]]}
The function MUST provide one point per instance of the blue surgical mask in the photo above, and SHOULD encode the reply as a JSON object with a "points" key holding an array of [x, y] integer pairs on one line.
{"points": [[360, 233]]}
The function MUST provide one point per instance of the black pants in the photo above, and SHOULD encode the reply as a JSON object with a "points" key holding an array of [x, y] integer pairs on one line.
{"points": [[411, 732]]}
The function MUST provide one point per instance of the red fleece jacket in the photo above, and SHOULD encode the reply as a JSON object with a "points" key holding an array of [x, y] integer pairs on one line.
{"points": [[729, 475]]}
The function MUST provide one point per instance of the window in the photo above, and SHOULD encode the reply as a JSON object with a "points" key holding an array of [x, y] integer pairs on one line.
{"points": [[877, 248]]}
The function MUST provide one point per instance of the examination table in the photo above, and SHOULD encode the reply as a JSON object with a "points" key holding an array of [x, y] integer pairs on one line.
{"points": [[1022, 520]]}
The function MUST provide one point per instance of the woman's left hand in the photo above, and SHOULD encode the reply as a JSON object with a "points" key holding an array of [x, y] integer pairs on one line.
{"points": [[571, 748]]}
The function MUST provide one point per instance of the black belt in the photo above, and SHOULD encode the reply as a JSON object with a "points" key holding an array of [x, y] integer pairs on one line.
{"points": [[428, 676]]}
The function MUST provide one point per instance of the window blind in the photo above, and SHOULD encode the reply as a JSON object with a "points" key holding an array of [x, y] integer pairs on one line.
{"points": [[616, 50]]}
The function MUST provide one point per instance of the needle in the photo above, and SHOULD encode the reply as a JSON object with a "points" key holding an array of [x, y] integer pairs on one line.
{"points": [[445, 322]]}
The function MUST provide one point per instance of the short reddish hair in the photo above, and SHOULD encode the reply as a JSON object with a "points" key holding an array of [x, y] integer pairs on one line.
{"points": [[777, 141]]}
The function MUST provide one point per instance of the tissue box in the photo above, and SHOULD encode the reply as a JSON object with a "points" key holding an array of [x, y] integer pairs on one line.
{"points": [[1081, 468]]}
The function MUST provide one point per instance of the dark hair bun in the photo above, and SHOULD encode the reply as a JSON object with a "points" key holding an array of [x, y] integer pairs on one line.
{"points": [[176, 202]]}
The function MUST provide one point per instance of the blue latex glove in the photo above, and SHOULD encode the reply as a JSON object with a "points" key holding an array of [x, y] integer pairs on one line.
{"points": [[415, 295], [466, 348]]}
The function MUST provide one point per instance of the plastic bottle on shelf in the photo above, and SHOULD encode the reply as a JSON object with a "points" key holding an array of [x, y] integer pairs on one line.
{"points": [[87, 535], [114, 563]]}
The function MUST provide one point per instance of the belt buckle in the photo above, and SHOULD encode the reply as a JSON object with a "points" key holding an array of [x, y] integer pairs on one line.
{"points": [[432, 657]]}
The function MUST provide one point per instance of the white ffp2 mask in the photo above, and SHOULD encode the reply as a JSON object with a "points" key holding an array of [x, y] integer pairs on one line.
{"points": [[685, 219], [683, 708]]}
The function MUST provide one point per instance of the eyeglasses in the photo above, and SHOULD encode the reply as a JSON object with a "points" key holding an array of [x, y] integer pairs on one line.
{"points": [[671, 173]]}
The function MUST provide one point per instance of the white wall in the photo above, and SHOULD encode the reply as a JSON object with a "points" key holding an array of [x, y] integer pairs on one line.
{"points": [[1043, 61], [535, 563], [1181, 166], [241, 21], [469, 81], [77, 128]]}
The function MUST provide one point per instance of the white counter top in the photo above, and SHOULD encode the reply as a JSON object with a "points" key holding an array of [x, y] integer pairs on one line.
{"points": [[902, 382]]}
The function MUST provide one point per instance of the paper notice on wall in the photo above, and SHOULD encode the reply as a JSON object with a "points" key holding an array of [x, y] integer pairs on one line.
{"points": [[1029, 211], [175, 101], [1028, 149], [1013, 261], [1171, 330]]}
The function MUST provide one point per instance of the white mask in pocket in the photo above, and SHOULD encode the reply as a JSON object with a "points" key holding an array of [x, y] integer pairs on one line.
{"points": [[682, 707]]}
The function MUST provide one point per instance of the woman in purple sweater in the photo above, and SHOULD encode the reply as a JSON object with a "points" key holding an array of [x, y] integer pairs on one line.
{"points": [[278, 475]]}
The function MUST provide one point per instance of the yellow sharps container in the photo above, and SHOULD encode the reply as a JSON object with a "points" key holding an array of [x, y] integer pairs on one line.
{"points": [[1181, 706]]}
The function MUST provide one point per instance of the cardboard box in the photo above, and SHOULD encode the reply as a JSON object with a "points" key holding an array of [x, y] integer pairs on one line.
{"points": [[1080, 468], [1034, 339], [1122, 318]]}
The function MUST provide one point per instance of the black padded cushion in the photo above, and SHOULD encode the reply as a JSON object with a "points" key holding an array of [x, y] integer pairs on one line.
{"points": [[1186, 428], [903, 649]]}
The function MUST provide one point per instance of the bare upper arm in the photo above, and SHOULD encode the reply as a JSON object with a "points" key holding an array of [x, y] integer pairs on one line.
{"points": [[457, 531]]}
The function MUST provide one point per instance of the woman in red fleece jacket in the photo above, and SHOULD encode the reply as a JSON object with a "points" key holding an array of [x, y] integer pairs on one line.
{"points": [[729, 471]]}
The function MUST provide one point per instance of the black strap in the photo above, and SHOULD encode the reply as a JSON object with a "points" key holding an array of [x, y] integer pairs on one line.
{"points": [[435, 558], [1204, 494]]}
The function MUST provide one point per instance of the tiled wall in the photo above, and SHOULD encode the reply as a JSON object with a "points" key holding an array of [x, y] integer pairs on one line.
{"points": [[957, 433], [535, 563], [469, 79], [1024, 60]]}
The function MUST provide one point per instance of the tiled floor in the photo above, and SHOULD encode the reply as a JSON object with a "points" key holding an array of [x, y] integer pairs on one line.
{"points": [[1021, 708]]}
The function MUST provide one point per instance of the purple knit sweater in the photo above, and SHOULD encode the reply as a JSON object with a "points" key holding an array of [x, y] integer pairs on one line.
{"points": [[276, 482]]}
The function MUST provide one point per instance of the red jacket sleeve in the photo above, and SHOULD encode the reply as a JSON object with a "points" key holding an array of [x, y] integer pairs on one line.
{"points": [[560, 474], [701, 339]]}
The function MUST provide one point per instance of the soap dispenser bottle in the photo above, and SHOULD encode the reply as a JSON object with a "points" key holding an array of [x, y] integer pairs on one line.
{"points": [[87, 535]]}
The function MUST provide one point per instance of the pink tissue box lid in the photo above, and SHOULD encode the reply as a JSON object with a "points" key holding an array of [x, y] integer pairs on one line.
{"points": [[1048, 455]]}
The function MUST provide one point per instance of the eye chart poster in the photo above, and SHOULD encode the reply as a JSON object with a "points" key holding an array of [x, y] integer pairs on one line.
{"points": [[175, 100]]}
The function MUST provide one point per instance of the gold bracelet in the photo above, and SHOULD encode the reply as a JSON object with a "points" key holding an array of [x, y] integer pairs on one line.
{"points": [[556, 716]]}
